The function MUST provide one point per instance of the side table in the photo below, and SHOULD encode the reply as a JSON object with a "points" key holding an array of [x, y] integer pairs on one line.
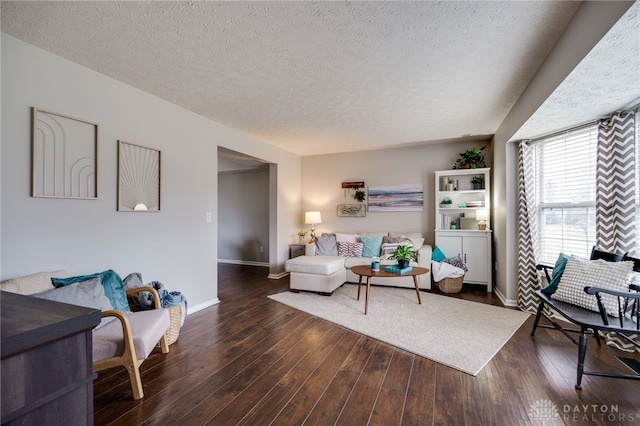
{"points": [[296, 250]]}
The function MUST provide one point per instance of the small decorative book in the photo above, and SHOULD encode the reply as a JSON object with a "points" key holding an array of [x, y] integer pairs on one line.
{"points": [[395, 269]]}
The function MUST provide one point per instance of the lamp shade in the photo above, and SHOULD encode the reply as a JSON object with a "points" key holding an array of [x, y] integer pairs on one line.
{"points": [[312, 218]]}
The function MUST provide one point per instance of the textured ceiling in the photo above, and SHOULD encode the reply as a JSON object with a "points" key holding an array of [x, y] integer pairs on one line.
{"points": [[312, 77]]}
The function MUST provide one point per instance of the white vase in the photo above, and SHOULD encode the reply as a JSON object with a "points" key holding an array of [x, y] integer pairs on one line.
{"points": [[300, 240]]}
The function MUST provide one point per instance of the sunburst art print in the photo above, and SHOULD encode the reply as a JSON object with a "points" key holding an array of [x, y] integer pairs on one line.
{"points": [[138, 178]]}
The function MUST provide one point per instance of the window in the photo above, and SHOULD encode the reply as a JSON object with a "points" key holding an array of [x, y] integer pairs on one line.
{"points": [[565, 191]]}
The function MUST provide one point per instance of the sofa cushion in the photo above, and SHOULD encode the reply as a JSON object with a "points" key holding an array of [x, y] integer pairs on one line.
{"points": [[147, 328], [346, 238], [558, 270], [350, 249], [89, 293], [372, 245], [31, 284], [319, 265], [112, 283], [326, 245], [580, 273]]}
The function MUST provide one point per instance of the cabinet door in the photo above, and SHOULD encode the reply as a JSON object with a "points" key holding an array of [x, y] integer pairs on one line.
{"points": [[451, 245], [475, 257]]}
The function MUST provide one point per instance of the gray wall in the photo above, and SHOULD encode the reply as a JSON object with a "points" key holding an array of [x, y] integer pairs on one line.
{"points": [[322, 176], [243, 217], [176, 246]]}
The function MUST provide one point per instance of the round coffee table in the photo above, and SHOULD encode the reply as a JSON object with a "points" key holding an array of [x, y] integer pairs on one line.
{"points": [[365, 271]]}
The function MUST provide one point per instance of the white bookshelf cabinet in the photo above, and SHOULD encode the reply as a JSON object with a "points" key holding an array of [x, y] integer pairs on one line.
{"points": [[467, 208]]}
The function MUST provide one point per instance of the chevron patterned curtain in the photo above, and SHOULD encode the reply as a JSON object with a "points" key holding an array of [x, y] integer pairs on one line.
{"points": [[527, 225], [615, 194], [616, 181]]}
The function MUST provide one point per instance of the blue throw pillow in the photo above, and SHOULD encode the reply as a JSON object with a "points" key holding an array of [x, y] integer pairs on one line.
{"points": [[110, 280], [558, 270], [372, 244], [437, 255]]}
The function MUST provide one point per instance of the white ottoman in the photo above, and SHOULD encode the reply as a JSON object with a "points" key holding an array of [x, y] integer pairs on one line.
{"points": [[322, 274]]}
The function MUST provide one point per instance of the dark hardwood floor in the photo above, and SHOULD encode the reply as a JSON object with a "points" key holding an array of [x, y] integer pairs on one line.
{"points": [[250, 360]]}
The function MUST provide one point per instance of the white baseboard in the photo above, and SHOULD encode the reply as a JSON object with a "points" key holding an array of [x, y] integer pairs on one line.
{"points": [[201, 306], [244, 262], [504, 300], [277, 276]]}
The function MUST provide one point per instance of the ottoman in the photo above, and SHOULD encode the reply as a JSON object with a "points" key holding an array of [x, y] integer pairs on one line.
{"points": [[322, 274]]}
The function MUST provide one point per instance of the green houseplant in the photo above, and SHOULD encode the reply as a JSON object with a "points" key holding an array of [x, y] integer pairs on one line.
{"points": [[403, 254], [477, 182], [446, 202], [359, 195], [473, 158]]}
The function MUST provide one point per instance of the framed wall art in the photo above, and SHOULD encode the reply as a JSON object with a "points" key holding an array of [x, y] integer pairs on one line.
{"points": [[138, 178], [64, 156], [352, 210], [396, 198]]}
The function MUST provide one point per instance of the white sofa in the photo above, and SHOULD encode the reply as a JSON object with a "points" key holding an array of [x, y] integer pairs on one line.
{"points": [[323, 274]]}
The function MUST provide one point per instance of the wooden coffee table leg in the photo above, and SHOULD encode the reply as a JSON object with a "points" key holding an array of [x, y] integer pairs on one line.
{"points": [[366, 303], [359, 284], [415, 281]]}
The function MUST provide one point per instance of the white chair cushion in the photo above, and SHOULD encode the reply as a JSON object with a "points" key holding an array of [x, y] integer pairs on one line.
{"points": [[317, 265], [147, 328]]}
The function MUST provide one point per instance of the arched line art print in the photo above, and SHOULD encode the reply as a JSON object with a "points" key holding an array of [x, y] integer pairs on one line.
{"points": [[138, 178], [64, 156]]}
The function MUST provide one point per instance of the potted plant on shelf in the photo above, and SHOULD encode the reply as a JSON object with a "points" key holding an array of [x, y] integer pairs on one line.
{"points": [[446, 202], [477, 182], [453, 225], [301, 235], [403, 254], [473, 158]]}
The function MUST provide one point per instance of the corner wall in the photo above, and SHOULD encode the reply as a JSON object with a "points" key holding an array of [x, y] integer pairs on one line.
{"points": [[591, 22], [176, 246]]}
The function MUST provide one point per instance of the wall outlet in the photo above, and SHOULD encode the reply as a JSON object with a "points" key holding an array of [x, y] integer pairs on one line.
{"points": [[261, 249], [208, 216]]}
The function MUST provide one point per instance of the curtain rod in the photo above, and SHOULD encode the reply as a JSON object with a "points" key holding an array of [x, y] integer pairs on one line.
{"points": [[579, 126]]}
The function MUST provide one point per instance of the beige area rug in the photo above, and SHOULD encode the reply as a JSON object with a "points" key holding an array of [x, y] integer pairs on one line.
{"points": [[457, 333]]}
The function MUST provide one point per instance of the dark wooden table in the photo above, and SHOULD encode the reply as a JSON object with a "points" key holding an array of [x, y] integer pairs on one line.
{"points": [[366, 271], [47, 374]]}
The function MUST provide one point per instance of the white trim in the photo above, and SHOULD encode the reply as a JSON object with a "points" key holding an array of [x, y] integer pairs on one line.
{"points": [[277, 276], [504, 300], [201, 306], [243, 262]]}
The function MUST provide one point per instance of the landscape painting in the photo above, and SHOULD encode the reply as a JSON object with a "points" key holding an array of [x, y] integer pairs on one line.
{"points": [[396, 198]]}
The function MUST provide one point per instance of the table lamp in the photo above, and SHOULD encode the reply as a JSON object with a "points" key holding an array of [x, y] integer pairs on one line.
{"points": [[312, 218]]}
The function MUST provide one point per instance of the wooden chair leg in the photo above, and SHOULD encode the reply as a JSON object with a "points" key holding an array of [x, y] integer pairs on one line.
{"points": [[538, 315], [136, 381], [582, 351], [164, 346]]}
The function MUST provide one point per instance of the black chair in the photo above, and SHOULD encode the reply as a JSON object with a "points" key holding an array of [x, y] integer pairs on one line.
{"points": [[590, 322]]}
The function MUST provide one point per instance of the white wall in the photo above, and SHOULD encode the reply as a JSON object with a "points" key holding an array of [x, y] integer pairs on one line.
{"points": [[175, 246], [322, 176]]}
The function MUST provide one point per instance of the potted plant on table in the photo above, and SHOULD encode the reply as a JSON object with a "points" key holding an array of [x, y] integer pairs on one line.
{"points": [[301, 235], [404, 254]]}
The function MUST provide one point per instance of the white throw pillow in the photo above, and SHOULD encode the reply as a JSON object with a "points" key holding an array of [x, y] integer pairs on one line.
{"points": [[580, 273]]}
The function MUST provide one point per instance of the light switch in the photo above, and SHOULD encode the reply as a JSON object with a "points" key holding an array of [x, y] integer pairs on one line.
{"points": [[208, 216]]}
